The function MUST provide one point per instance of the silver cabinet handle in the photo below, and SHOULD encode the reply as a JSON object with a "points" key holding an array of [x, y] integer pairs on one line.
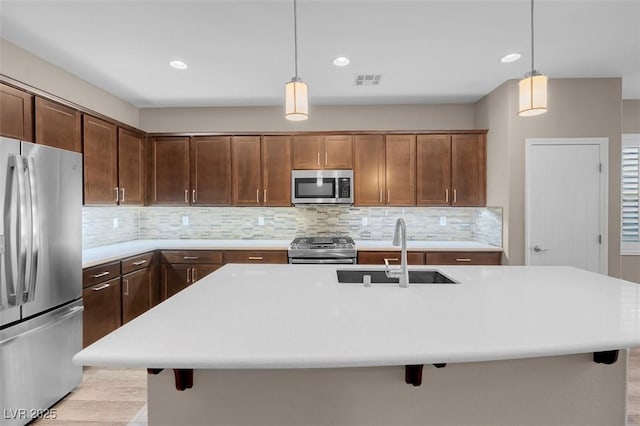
{"points": [[117, 191], [395, 259], [190, 257], [326, 158], [257, 195], [140, 262], [255, 257], [318, 158], [186, 196], [380, 194], [126, 287], [188, 276], [122, 198], [265, 196], [446, 195], [101, 274], [466, 259], [455, 196], [538, 249], [194, 275], [102, 287], [388, 196], [193, 196]]}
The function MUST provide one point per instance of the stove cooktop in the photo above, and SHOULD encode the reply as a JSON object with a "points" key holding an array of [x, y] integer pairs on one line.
{"points": [[322, 247]]}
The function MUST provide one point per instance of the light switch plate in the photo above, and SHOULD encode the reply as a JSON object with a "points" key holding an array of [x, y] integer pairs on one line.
{"points": [[185, 220], [261, 221], [365, 221], [443, 221], [115, 223]]}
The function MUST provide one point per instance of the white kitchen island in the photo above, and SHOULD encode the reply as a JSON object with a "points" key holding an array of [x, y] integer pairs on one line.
{"points": [[289, 345]]}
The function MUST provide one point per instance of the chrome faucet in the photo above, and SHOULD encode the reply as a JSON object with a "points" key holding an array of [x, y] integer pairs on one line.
{"points": [[399, 239]]}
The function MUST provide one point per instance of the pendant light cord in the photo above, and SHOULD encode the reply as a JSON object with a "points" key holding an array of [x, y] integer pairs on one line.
{"points": [[532, 67], [295, 36]]}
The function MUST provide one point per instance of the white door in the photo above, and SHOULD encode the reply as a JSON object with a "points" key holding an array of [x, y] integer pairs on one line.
{"points": [[566, 203]]}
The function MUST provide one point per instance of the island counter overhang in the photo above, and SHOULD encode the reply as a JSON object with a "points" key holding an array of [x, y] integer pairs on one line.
{"points": [[299, 316], [287, 345]]}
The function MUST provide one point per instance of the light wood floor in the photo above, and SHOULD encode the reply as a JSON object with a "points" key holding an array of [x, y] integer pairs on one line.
{"points": [[117, 397]]}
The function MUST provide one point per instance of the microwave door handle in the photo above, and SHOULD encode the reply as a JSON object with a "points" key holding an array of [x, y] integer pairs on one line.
{"points": [[34, 238]]}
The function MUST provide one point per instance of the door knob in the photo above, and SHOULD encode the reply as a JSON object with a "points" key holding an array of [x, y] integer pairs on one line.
{"points": [[537, 249]]}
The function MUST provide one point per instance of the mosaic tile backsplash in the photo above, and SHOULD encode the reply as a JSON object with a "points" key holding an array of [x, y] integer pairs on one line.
{"points": [[109, 225]]}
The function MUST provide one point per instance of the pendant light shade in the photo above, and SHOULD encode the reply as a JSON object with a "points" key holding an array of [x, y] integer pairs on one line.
{"points": [[296, 105], [295, 91], [533, 95], [532, 89]]}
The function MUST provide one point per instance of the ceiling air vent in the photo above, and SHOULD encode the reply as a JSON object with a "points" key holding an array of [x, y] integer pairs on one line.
{"points": [[368, 79]]}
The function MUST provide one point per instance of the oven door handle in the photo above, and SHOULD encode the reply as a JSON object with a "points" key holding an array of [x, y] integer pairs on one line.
{"points": [[348, 260]]}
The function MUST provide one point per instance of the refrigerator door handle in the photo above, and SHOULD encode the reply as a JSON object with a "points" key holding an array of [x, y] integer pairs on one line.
{"points": [[55, 321], [15, 237], [34, 239]]}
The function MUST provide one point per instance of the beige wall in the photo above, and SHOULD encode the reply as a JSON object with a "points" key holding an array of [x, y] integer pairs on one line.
{"points": [[21, 65], [577, 108], [630, 265], [265, 119]]}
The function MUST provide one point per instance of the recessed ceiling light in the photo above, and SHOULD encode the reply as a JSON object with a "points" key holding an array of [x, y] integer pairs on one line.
{"points": [[510, 57], [179, 65], [341, 61]]}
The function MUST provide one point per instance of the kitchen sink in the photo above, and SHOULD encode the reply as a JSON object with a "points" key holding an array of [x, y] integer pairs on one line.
{"points": [[356, 276]]}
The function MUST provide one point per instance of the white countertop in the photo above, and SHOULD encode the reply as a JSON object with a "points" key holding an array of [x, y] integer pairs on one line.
{"points": [[299, 316], [97, 255]]}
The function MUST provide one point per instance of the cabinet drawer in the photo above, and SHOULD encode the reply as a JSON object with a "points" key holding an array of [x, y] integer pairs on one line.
{"points": [[102, 310], [242, 256], [464, 258], [99, 273], [134, 263], [377, 257], [191, 256]]}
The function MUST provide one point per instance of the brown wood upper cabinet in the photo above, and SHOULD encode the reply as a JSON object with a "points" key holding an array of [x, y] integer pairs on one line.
{"points": [[58, 125], [113, 164], [16, 113], [190, 171], [451, 170], [261, 171], [313, 152], [384, 170]]}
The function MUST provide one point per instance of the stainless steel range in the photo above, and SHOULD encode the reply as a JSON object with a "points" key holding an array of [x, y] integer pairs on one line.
{"points": [[322, 250]]}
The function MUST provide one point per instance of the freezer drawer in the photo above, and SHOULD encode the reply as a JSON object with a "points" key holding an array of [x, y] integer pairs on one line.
{"points": [[35, 363]]}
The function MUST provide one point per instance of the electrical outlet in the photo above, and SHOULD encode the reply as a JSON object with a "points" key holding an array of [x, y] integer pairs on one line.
{"points": [[261, 221], [185, 220], [365, 221], [115, 223], [443, 221]]}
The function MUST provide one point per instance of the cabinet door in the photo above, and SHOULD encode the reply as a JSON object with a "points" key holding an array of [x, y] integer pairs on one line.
{"points": [[433, 170], [276, 171], [58, 125], [468, 170], [200, 271], [100, 161], [169, 171], [245, 170], [174, 277], [16, 113], [136, 294], [369, 170], [211, 170], [102, 312], [400, 176], [338, 152], [131, 167], [306, 152]]}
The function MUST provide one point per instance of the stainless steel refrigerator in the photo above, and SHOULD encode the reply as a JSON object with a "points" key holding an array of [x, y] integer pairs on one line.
{"points": [[40, 277]]}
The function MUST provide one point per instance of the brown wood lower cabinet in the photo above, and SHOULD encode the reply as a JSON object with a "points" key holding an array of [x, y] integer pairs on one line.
{"points": [[378, 257], [137, 294], [178, 276], [244, 256], [464, 258], [102, 310]]}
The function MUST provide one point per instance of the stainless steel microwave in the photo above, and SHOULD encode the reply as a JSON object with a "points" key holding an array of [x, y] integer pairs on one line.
{"points": [[322, 187]]}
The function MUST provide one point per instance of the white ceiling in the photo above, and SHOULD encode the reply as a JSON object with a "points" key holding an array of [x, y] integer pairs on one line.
{"points": [[240, 53]]}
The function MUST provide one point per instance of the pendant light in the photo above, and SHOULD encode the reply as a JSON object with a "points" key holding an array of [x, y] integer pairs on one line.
{"points": [[295, 91], [533, 88]]}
